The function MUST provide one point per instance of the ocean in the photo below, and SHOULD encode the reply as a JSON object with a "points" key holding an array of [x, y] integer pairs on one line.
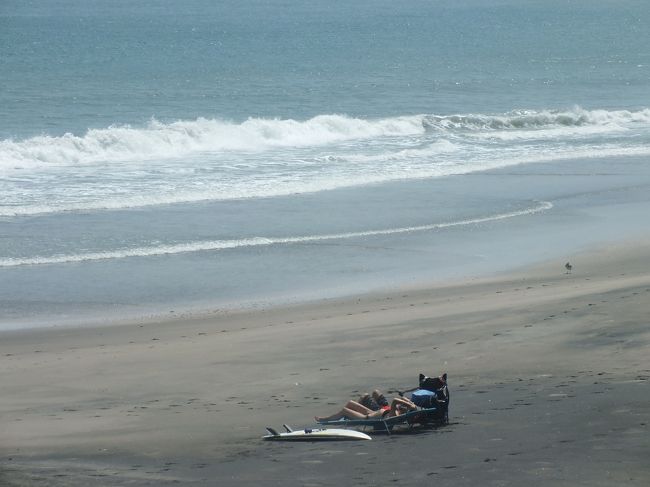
{"points": [[161, 157]]}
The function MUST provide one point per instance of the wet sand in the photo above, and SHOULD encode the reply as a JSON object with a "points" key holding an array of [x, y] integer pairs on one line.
{"points": [[549, 375]]}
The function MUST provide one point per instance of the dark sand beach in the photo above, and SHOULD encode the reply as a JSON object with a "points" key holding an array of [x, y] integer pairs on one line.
{"points": [[549, 375]]}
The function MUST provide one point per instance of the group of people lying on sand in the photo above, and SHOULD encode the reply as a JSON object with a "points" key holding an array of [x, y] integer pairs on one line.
{"points": [[372, 405], [375, 405]]}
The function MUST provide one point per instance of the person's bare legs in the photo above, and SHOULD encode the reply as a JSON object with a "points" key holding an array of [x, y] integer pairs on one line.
{"points": [[343, 413], [352, 410], [355, 406]]}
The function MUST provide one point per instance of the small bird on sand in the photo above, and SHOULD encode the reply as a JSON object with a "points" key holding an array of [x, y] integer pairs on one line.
{"points": [[568, 267]]}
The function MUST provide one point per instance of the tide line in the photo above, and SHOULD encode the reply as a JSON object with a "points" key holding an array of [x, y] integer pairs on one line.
{"points": [[215, 245]]}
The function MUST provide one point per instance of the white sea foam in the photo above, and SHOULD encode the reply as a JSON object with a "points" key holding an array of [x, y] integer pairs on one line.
{"points": [[186, 138], [215, 245], [212, 160], [403, 166]]}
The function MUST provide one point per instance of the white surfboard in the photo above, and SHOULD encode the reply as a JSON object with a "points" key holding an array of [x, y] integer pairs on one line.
{"points": [[315, 434]]}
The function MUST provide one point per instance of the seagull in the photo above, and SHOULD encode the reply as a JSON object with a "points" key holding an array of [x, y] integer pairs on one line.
{"points": [[568, 267]]}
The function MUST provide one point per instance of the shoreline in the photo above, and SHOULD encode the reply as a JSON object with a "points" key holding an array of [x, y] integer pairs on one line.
{"points": [[591, 205], [202, 389], [544, 268]]}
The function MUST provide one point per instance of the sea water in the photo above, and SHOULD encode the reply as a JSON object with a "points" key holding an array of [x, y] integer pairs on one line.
{"points": [[160, 156]]}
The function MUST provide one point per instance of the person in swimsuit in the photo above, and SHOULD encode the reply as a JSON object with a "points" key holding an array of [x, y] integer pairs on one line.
{"points": [[374, 401], [355, 410]]}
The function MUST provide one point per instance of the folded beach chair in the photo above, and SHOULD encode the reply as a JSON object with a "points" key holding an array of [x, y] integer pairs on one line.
{"points": [[423, 416]]}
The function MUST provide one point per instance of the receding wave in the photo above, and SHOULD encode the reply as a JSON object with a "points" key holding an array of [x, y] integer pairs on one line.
{"points": [[215, 245], [190, 137], [243, 189]]}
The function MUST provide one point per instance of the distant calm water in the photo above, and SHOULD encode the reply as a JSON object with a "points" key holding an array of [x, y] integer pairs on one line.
{"points": [[159, 155]]}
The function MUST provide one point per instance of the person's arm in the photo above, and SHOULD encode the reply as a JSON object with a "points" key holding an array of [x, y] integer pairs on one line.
{"points": [[401, 401], [409, 402]]}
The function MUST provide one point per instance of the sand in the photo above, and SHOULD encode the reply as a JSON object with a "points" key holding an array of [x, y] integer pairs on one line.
{"points": [[549, 374]]}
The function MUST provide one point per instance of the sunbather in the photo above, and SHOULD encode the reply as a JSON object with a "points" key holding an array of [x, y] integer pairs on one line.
{"points": [[374, 401], [354, 410]]}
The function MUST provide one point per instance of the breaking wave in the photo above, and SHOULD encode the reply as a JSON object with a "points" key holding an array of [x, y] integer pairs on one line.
{"points": [[187, 138], [214, 160], [530, 119]]}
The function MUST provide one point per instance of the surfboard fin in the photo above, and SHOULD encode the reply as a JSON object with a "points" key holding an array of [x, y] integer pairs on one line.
{"points": [[288, 428], [272, 431]]}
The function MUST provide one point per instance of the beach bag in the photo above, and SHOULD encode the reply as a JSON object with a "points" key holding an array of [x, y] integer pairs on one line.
{"points": [[424, 398]]}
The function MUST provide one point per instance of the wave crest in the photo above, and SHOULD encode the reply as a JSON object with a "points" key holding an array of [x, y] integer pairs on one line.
{"points": [[190, 137], [528, 119], [187, 137]]}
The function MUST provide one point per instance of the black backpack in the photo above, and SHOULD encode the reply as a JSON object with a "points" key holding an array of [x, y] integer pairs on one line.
{"points": [[437, 385]]}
